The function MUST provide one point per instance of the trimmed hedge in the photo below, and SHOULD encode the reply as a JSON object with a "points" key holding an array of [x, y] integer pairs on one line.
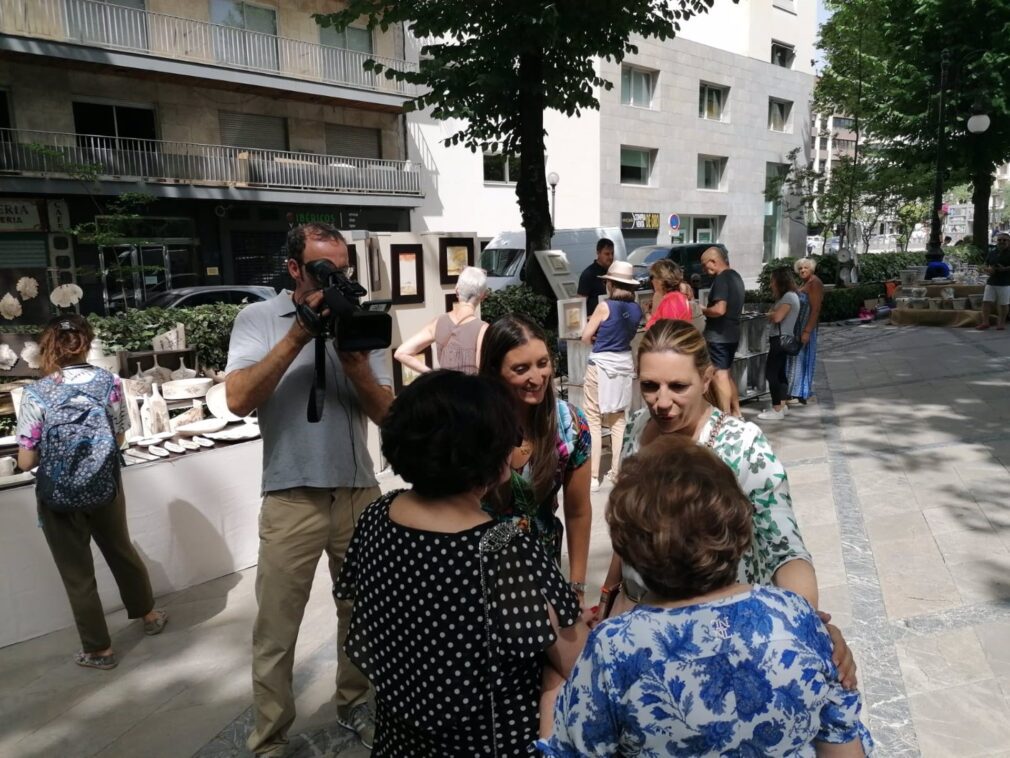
{"points": [[826, 267], [843, 303]]}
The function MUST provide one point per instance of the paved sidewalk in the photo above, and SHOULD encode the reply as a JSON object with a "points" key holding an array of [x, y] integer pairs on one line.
{"points": [[900, 481]]}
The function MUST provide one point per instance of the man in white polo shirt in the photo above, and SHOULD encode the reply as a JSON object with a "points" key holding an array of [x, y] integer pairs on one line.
{"points": [[317, 479]]}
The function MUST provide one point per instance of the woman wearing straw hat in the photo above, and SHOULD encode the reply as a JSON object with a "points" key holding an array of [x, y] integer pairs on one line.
{"points": [[607, 386]]}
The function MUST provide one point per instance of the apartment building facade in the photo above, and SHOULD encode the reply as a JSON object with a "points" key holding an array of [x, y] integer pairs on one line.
{"points": [[241, 119], [692, 132]]}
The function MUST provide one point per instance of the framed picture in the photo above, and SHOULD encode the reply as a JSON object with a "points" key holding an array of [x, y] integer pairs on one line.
{"points": [[403, 376], [454, 255], [571, 318], [450, 300], [553, 262], [374, 265], [571, 289], [408, 274]]}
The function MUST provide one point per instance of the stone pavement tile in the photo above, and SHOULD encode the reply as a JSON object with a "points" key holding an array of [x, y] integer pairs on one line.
{"points": [[963, 546], [826, 549], [907, 556], [965, 721], [994, 637], [901, 526], [942, 661], [983, 580], [886, 501], [951, 492], [967, 516], [836, 600], [920, 592], [814, 512]]}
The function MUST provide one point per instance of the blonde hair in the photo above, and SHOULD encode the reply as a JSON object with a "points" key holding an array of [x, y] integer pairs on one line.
{"points": [[668, 272], [804, 262], [682, 338]]}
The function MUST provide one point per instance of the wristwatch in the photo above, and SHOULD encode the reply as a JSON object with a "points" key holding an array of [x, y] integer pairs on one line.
{"points": [[578, 587]]}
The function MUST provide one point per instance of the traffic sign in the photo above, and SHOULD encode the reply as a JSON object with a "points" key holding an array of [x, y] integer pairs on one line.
{"points": [[674, 222]]}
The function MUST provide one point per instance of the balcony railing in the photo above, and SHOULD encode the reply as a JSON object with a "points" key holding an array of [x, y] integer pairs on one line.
{"points": [[117, 27], [159, 161]]}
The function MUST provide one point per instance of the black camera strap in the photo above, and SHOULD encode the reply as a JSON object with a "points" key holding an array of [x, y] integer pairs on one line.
{"points": [[317, 397]]}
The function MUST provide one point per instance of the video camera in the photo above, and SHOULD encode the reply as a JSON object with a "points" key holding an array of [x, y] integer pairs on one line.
{"points": [[354, 326]]}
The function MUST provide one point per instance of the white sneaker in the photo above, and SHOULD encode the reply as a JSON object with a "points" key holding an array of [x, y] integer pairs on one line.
{"points": [[595, 486], [773, 415]]}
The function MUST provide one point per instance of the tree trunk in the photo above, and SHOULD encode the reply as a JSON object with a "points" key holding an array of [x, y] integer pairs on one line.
{"points": [[981, 181], [531, 188]]}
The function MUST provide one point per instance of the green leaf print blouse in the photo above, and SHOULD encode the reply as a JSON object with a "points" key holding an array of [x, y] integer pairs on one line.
{"points": [[744, 448]]}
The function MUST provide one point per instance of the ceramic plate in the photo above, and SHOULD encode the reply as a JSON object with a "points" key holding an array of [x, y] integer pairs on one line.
{"points": [[188, 444], [203, 442], [140, 455], [15, 479], [185, 389], [158, 451], [241, 432], [202, 427], [218, 404], [174, 448]]}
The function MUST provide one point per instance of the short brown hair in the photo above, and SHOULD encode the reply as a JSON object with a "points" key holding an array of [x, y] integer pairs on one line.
{"points": [[678, 517], [668, 272], [65, 340]]}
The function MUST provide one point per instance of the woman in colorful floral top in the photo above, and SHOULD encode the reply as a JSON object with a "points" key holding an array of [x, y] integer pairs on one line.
{"points": [[63, 347], [554, 451], [705, 665], [675, 377]]}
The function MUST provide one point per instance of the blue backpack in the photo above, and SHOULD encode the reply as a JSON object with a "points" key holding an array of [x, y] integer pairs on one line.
{"points": [[79, 469]]}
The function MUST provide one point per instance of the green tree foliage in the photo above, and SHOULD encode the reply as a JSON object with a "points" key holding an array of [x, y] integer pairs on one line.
{"points": [[494, 67], [883, 68]]}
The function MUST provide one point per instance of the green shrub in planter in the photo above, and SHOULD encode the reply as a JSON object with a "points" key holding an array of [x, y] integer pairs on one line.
{"points": [[519, 298], [843, 303], [825, 267], [208, 329], [879, 267]]}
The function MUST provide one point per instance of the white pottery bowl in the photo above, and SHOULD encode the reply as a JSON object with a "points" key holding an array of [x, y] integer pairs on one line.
{"points": [[185, 389], [207, 426]]}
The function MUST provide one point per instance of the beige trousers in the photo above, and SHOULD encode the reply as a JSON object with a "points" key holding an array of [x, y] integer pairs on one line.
{"points": [[615, 421], [296, 526]]}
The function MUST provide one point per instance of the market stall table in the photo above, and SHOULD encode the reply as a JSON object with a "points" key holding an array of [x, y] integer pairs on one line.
{"points": [[192, 517]]}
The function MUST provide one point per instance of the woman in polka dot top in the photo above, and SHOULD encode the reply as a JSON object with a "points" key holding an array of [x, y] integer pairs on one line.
{"points": [[456, 615]]}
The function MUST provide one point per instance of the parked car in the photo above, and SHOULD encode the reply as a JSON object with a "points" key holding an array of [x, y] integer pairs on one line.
{"points": [[185, 297], [687, 256]]}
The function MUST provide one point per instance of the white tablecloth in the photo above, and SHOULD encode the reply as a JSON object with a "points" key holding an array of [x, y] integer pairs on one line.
{"points": [[192, 519]]}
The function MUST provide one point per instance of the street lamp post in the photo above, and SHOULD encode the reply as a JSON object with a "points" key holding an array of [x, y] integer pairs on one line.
{"points": [[553, 179]]}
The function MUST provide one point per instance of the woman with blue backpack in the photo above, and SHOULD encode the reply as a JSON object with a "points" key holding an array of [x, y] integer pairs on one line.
{"points": [[71, 425]]}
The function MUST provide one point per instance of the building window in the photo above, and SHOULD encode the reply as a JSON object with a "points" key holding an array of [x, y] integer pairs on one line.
{"points": [[838, 122], [704, 229], [350, 38], [232, 41], [712, 101], [636, 165], [783, 55], [122, 127], [121, 23], [253, 131], [6, 122], [637, 87], [844, 146], [779, 115], [711, 172], [501, 168], [354, 141]]}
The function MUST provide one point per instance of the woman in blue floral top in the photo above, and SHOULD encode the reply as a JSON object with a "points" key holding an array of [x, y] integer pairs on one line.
{"points": [[554, 452], [705, 664]]}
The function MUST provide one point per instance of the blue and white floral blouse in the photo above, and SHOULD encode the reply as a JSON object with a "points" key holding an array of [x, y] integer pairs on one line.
{"points": [[748, 675]]}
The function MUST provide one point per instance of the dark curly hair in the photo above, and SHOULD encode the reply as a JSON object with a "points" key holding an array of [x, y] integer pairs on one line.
{"points": [[294, 243], [678, 517], [449, 433]]}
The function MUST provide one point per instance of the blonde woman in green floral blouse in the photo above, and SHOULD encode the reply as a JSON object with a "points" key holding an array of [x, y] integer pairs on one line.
{"points": [[675, 375]]}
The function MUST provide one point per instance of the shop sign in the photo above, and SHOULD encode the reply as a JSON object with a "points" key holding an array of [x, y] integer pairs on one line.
{"points": [[317, 218], [639, 220], [19, 215], [59, 215]]}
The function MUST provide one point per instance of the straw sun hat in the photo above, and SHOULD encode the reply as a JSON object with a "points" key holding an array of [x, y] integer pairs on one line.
{"points": [[622, 272]]}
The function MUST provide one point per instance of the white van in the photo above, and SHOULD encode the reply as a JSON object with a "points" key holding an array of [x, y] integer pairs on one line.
{"points": [[505, 255]]}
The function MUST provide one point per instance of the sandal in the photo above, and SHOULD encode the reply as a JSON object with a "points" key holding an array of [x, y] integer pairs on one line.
{"points": [[93, 661], [152, 628]]}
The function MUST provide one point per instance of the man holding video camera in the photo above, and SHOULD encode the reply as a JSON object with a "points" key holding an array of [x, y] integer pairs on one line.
{"points": [[317, 477]]}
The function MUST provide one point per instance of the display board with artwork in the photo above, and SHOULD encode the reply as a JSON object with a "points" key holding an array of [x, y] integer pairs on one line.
{"points": [[454, 255], [571, 318], [408, 274]]}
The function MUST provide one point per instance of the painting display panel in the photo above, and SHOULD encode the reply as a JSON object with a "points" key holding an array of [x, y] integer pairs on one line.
{"points": [[403, 375], [454, 255], [408, 274], [571, 318]]}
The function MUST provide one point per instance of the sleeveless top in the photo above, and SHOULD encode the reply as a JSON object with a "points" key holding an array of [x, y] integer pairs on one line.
{"points": [[616, 333], [456, 344]]}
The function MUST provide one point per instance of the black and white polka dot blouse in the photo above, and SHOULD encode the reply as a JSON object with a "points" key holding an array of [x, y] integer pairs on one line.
{"points": [[418, 633]]}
